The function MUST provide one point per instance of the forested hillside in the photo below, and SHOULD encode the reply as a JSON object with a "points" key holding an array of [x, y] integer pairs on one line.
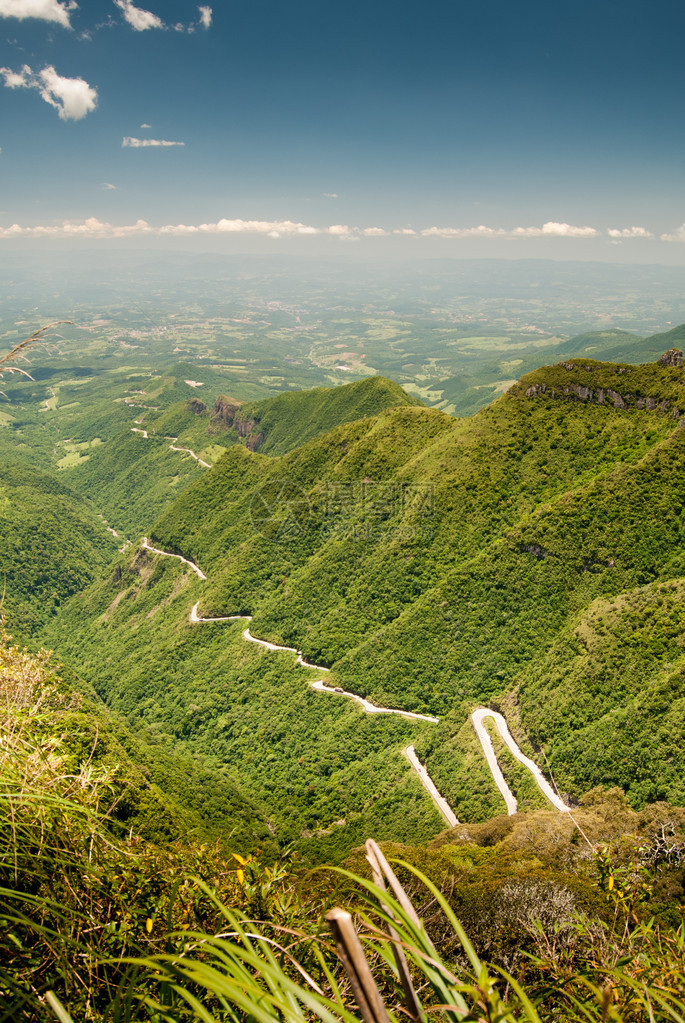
{"points": [[138, 473], [530, 560], [53, 543], [433, 563]]}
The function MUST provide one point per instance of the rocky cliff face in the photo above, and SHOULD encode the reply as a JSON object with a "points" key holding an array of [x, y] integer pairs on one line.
{"points": [[597, 392], [673, 357], [227, 415]]}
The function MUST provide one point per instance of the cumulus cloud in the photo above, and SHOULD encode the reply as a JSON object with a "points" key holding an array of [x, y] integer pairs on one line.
{"points": [[554, 229], [676, 236], [205, 16], [551, 229], [459, 232], [90, 228], [146, 126], [271, 228], [128, 142], [138, 18], [629, 232], [45, 10], [95, 228], [72, 98]]}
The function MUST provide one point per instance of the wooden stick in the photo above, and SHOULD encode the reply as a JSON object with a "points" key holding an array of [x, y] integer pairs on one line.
{"points": [[351, 953], [380, 866]]}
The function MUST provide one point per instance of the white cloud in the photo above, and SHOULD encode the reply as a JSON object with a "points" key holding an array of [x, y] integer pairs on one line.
{"points": [[90, 228], [94, 228], [138, 18], [108, 187], [130, 143], [676, 236], [459, 232], [553, 229], [331, 195], [146, 126], [550, 229], [72, 98], [271, 228], [629, 232], [46, 10], [17, 79], [205, 16]]}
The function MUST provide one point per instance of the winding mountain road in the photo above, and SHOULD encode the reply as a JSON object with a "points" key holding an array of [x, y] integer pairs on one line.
{"points": [[165, 554], [477, 717], [172, 447], [369, 707], [443, 806]]}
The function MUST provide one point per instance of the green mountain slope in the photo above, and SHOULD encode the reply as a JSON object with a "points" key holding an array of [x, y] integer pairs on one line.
{"points": [[611, 694], [597, 343], [133, 478], [289, 420], [392, 508], [322, 772], [431, 561], [53, 544]]}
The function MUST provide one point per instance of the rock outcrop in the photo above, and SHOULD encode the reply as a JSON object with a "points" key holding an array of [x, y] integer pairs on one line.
{"points": [[604, 395], [224, 412], [196, 406], [673, 357], [227, 415]]}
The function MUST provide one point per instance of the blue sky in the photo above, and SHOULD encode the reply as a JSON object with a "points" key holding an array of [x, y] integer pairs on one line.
{"points": [[537, 129]]}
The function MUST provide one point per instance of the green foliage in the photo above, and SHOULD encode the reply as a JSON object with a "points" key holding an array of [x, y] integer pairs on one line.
{"points": [[431, 562], [289, 420], [133, 479], [323, 772], [53, 544], [615, 679], [99, 927]]}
